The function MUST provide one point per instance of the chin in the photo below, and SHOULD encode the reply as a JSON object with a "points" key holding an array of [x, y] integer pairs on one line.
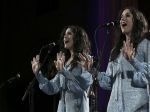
{"points": [[66, 47], [124, 32]]}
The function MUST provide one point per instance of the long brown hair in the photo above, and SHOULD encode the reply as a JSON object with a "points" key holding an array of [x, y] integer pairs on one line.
{"points": [[81, 43], [140, 28]]}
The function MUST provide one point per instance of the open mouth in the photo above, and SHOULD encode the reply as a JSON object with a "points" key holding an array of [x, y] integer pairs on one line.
{"points": [[124, 24], [66, 42]]}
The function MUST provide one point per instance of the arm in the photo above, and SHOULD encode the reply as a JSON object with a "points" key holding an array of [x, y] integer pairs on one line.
{"points": [[104, 79], [78, 80], [50, 87], [142, 72]]}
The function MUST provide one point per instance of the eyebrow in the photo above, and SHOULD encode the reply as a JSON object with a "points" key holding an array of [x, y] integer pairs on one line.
{"points": [[126, 13], [69, 32]]}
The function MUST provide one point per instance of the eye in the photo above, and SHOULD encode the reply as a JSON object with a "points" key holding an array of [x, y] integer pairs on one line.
{"points": [[128, 15], [69, 33]]}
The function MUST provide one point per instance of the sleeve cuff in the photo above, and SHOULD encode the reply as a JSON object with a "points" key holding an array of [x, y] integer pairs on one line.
{"points": [[40, 77], [66, 74], [92, 70], [136, 64]]}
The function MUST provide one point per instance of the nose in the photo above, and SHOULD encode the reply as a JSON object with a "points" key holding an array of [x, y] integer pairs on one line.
{"points": [[122, 18], [65, 36]]}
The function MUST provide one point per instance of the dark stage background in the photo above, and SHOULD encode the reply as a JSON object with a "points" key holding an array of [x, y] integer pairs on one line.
{"points": [[27, 25]]}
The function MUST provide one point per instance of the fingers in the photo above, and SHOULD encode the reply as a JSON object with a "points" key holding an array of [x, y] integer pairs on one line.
{"points": [[91, 59], [128, 50], [124, 45], [127, 45], [35, 64], [37, 58], [128, 42], [59, 63], [90, 63], [121, 51], [86, 62], [133, 51], [124, 51], [85, 56], [59, 55], [81, 57], [56, 64], [131, 47], [63, 57], [79, 62], [33, 59]]}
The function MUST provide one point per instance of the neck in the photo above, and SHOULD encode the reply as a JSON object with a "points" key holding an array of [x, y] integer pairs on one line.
{"points": [[71, 57], [72, 54], [127, 37]]}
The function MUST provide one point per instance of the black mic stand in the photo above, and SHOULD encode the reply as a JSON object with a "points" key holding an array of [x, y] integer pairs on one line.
{"points": [[4, 83], [30, 88], [94, 85]]}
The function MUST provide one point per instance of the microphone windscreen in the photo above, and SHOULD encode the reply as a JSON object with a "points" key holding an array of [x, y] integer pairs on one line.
{"points": [[18, 76]]}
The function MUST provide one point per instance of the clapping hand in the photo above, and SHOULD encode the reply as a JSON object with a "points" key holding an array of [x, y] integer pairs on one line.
{"points": [[85, 61], [59, 63], [128, 50], [35, 64]]}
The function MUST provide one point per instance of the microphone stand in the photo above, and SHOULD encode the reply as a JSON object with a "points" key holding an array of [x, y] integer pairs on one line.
{"points": [[30, 90], [94, 85], [4, 83]]}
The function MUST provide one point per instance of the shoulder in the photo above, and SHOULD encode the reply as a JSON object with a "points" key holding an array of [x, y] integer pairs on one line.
{"points": [[144, 41], [143, 46], [144, 38]]}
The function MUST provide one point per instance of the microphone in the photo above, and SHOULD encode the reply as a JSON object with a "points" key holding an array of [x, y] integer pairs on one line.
{"points": [[114, 23], [16, 77], [52, 44]]}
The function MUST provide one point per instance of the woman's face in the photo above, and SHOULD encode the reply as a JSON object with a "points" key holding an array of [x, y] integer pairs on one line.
{"points": [[68, 39], [126, 22]]}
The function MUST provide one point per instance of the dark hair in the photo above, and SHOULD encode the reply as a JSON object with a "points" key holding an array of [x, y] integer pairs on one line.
{"points": [[81, 43], [140, 28]]}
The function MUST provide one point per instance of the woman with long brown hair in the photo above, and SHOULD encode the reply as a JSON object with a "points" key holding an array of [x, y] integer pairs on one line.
{"points": [[128, 71], [72, 80]]}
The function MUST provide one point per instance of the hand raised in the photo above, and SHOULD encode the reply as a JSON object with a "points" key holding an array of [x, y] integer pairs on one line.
{"points": [[85, 61], [35, 64], [59, 63], [128, 50]]}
